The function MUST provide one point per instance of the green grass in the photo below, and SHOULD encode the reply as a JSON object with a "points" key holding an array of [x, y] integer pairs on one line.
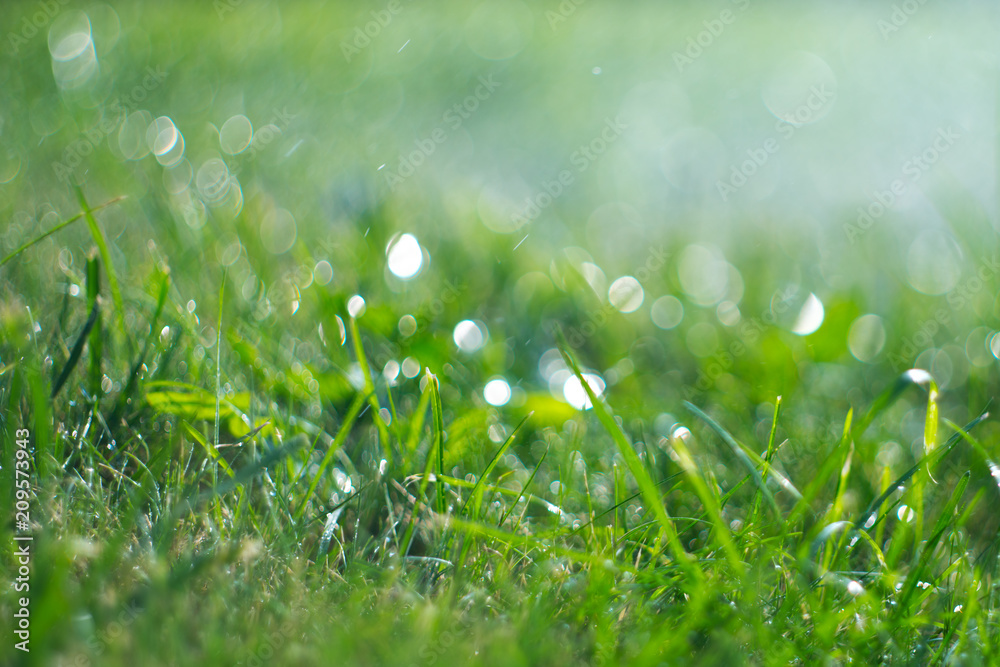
{"points": [[228, 467]]}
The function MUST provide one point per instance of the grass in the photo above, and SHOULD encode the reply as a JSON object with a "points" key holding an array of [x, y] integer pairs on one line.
{"points": [[232, 461]]}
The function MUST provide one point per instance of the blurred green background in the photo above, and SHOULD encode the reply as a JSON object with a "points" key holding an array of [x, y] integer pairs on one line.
{"points": [[716, 201]]}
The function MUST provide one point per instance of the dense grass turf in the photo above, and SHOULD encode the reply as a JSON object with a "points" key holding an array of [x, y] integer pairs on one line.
{"points": [[233, 459]]}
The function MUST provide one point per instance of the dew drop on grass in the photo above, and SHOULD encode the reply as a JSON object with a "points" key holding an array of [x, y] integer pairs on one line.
{"points": [[322, 272], [340, 329], [667, 312], [356, 306], [866, 337], [213, 181], [469, 336], [497, 392], [810, 316], [410, 367], [626, 294], [236, 134], [994, 343], [165, 141], [728, 313], [919, 376], [391, 371], [405, 257], [407, 325], [576, 395]]}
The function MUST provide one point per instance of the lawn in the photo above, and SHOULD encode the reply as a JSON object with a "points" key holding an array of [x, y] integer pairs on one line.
{"points": [[499, 333]]}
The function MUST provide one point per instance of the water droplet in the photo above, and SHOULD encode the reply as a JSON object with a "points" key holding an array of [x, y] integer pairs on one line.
{"points": [[236, 134], [469, 336], [497, 392], [866, 337], [626, 294], [810, 317], [405, 257], [356, 306], [576, 395], [667, 312], [323, 272]]}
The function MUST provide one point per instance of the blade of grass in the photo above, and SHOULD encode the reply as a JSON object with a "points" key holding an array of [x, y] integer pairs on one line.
{"points": [[944, 520], [210, 449], [338, 441], [980, 449], [218, 371], [828, 467], [649, 491], [768, 457], [133, 378], [910, 378], [369, 384], [61, 225], [438, 439], [96, 334], [477, 491], [867, 518], [738, 450], [240, 477], [417, 423], [524, 488], [102, 247], [708, 500], [74, 355]]}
